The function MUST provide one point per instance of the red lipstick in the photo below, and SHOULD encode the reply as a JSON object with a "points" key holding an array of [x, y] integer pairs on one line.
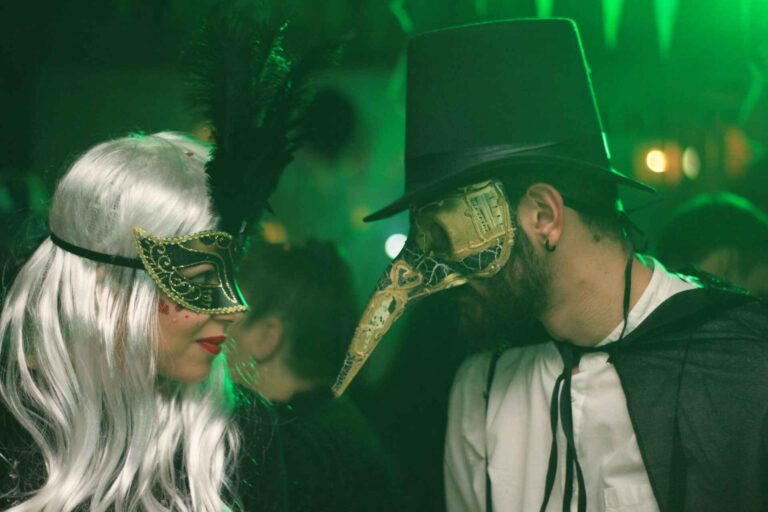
{"points": [[212, 344]]}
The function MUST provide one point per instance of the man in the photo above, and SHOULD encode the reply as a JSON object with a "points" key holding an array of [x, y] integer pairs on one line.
{"points": [[723, 234], [312, 453], [645, 390]]}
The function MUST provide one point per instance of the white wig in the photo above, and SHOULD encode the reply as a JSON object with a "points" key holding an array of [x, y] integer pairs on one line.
{"points": [[78, 342]]}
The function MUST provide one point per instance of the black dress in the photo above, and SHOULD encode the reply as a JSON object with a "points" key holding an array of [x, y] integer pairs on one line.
{"points": [[314, 453], [21, 465]]}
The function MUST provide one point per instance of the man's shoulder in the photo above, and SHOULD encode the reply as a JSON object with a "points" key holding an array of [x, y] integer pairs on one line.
{"points": [[474, 368], [707, 311], [734, 315], [716, 333], [473, 374]]}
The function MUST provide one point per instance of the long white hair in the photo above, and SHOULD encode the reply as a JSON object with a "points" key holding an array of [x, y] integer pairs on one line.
{"points": [[78, 342]]}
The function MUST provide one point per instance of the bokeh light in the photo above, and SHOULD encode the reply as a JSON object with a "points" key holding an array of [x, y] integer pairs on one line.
{"points": [[691, 163], [656, 160], [394, 244]]}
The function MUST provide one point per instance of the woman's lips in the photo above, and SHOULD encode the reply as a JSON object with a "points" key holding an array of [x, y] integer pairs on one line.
{"points": [[212, 344]]}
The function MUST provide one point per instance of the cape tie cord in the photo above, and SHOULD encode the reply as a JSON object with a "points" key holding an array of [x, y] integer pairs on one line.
{"points": [[561, 399], [487, 396], [561, 405]]}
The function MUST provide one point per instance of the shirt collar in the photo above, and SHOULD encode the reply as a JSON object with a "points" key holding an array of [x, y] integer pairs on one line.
{"points": [[663, 285]]}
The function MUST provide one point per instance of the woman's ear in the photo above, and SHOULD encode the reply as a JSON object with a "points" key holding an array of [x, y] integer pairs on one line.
{"points": [[541, 213]]}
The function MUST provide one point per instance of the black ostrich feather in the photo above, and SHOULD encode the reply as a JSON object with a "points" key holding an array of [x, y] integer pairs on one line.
{"points": [[254, 95]]}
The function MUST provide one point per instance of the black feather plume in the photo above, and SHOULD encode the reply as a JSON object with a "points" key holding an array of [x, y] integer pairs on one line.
{"points": [[254, 95]]}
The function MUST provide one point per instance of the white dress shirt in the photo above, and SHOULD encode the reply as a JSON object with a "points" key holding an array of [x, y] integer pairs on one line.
{"points": [[517, 433]]}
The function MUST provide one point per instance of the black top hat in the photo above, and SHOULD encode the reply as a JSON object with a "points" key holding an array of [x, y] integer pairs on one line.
{"points": [[506, 94]]}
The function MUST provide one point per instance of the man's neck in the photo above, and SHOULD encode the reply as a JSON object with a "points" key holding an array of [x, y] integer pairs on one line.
{"points": [[587, 296]]}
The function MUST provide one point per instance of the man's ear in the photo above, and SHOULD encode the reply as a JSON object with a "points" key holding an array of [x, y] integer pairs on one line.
{"points": [[541, 212]]}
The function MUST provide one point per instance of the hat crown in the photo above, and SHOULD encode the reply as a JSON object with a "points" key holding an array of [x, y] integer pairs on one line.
{"points": [[517, 82], [501, 95]]}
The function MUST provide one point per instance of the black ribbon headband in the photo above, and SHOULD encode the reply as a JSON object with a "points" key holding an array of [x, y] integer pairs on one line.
{"points": [[97, 256]]}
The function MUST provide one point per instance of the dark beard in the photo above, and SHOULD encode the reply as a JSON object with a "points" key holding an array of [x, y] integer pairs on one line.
{"points": [[507, 311]]}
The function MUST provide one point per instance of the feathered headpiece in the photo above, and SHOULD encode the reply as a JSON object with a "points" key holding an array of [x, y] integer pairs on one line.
{"points": [[254, 96]]}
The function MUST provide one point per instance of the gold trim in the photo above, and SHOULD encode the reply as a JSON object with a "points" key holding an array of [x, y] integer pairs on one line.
{"points": [[139, 233]]}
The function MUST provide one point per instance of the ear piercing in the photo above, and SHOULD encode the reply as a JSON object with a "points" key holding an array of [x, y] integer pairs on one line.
{"points": [[549, 248]]}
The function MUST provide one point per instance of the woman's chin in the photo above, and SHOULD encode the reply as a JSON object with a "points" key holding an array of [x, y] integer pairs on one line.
{"points": [[189, 375]]}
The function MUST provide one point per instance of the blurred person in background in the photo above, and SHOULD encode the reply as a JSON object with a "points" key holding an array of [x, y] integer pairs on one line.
{"points": [[723, 234], [320, 454]]}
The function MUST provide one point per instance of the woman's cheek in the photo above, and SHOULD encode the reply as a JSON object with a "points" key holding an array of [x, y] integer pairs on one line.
{"points": [[173, 311]]}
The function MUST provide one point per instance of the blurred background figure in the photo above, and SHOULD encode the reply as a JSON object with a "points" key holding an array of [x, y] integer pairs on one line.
{"points": [[723, 234], [320, 454]]}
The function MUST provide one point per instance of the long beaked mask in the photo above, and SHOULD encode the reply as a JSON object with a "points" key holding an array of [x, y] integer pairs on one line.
{"points": [[166, 258], [466, 234]]}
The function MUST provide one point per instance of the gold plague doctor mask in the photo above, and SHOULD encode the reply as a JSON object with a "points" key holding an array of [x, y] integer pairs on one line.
{"points": [[468, 233]]}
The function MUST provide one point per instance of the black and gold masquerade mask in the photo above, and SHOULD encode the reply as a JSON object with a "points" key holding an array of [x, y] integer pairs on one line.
{"points": [[165, 259], [468, 233], [213, 291]]}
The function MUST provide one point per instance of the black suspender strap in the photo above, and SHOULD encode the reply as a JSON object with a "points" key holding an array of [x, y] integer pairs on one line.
{"points": [[487, 395]]}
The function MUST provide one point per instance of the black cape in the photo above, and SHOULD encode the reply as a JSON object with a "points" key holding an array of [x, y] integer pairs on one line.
{"points": [[695, 376], [21, 466], [313, 454]]}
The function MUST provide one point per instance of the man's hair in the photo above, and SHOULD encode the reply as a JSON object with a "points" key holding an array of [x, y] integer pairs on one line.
{"points": [[715, 221], [594, 198], [309, 288]]}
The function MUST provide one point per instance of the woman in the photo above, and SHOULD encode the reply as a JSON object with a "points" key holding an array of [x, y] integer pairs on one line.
{"points": [[113, 392], [112, 395]]}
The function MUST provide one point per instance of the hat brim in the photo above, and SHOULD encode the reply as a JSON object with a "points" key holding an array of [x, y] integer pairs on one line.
{"points": [[445, 183]]}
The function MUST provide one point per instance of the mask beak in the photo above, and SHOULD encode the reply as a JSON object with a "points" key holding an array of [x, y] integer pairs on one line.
{"points": [[411, 276]]}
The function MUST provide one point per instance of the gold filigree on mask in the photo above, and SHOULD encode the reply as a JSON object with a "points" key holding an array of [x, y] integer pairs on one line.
{"points": [[409, 277], [165, 259], [466, 234], [465, 224]]}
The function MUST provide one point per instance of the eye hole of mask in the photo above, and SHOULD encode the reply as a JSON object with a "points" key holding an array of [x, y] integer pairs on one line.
{"points": [[441, 243], [202, 275]]}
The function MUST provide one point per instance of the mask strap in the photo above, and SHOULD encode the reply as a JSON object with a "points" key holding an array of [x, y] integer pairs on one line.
{"points": [[121, 261]]}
